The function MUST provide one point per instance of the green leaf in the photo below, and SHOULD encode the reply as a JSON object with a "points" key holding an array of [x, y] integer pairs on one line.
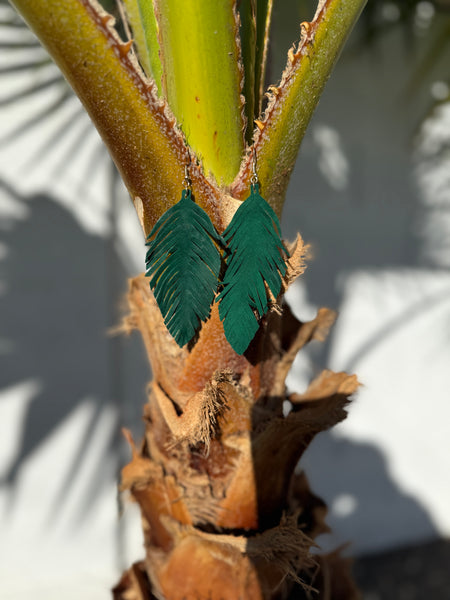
{"points": [[150, 32], [202, 79], [140, 43], [255, 16], [304, 78], [247, 13], [183, 262], [256, 257], [280, 131], [263, 20]]}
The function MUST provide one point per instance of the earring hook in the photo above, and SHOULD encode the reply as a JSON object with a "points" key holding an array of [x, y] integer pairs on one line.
{"points": [[187, 183], [254, 178]]}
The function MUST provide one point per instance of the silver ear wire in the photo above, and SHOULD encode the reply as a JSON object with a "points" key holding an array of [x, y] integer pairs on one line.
{"points": [[254, 178], [187, 183]]}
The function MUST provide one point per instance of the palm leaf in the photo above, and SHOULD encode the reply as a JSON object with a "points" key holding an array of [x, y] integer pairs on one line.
{"points": [[256, 258], [183, 262]]}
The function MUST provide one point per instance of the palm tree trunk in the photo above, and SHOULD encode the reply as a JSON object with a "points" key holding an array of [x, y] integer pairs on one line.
{"points": [[224, 514]]}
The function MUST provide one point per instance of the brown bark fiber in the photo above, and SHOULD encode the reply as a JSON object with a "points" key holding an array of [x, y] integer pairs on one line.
{"points": [[225, 515]]}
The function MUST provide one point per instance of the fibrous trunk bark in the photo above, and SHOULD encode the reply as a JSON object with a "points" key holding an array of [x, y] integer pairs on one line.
{"points": [[225, 514]]}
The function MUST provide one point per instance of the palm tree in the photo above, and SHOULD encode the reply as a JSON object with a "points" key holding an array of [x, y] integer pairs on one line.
{"points": [[225, 516]]}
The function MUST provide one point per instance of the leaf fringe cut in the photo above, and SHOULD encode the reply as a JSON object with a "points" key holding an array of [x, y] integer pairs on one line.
{"points": [[256, 258], [183, 262]]}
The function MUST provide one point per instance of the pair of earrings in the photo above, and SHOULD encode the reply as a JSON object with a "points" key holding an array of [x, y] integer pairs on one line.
{"points": [[185, 258]]}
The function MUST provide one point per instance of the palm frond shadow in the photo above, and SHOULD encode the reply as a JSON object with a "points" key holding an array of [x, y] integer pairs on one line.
{"points": [[70, 316], [58, 341], [26, 77]]}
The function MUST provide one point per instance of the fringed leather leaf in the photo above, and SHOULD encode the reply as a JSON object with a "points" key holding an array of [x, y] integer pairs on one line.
{"points": [[256, 257], [183, 262]]}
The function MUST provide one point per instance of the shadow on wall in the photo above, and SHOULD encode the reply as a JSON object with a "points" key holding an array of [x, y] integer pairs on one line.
{"points": [[354, 196], [60, 298], [366, 507], [359, 228], [367, 223], [411, 573]]}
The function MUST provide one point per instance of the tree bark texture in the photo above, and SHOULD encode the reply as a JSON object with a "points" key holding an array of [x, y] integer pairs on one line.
{"points": [[226, 516]]}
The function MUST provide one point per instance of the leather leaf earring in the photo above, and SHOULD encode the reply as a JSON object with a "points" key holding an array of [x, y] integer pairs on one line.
{"points": [[255, 258], [183, 262]]}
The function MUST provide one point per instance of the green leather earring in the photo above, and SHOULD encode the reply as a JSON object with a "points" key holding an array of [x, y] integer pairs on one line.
{"points": [[255, 259], [183, 262]]}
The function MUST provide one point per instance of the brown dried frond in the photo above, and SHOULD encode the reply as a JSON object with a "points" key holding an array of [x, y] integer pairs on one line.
{"points": [[333, 577], [296, 266], [141, 471], [295, 336], [286, 547], [134, 584], [198, 421]]}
